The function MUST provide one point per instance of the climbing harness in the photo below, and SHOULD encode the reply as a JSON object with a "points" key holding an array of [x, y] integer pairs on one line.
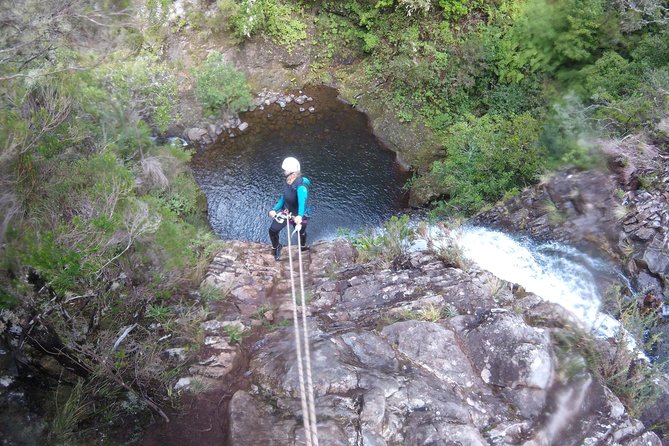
{"points": [[283, 216], [306, 396]]}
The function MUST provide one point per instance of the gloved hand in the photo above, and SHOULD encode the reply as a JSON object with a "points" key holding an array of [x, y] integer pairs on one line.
{"points": [[272, 213], [298, 223]]}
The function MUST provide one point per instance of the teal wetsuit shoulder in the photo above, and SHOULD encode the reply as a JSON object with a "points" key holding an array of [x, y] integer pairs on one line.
{"points": [[302, 196]]}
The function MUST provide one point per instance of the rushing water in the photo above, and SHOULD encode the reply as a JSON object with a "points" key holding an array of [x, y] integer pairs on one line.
{"points": [[555, 272], [355, 181]]}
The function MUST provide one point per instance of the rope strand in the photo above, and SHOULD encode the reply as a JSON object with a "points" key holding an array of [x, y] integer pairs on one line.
{"points": [[307, 353], [305, 412]]}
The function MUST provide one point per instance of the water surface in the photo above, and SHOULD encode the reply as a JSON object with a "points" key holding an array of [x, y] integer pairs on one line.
{"points": [[355, 181]]}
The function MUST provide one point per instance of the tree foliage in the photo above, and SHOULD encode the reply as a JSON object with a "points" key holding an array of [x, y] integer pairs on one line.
{"points": [[99, 222], [279, 19], [487, 158], [102, 229], [220, 87], [568, 63], [546, 36], [146, 86]]}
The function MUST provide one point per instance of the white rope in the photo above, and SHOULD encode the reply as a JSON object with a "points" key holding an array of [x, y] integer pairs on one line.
{"points": [[307, 353], [298, 344]]}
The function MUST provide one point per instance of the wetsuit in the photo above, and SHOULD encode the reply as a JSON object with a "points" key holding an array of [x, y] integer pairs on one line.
{"points": [[294, 200]]}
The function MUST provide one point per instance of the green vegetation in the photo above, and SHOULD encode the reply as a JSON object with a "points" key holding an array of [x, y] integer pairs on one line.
{"points": [[617, 364], [444, 245], [487, 158], [431, 313], [70, 410], [102, 229], [281, 20], [145, 84], [388, 244], [234, 333], [220, 87], [213, 294], [510, 89]]}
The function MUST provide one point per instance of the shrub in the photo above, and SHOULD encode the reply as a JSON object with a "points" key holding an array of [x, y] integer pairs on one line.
{"points": [[210, 293], [617, 362], [389, 243], [181, 197], [246, 17], [221, 87], [568, 132], [234, 332], [272, 16], [547, 36], [371, 41], [609, 78], [431, 313], [487, 157], [652, 50], [160, 313], [416, 6], [454, 9], [281, 25], [89, 248], [452, 255], [145, 86], [72, 407]]}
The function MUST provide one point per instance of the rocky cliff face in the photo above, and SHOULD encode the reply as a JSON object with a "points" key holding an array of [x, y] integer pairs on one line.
{"points": [[427, 354], [621, 212], [424, 354]]}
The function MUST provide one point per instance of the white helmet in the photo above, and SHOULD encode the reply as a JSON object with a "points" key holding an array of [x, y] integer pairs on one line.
{"points": [[290, 165]]}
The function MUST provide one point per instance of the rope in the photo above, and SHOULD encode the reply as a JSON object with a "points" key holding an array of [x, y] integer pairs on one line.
{"points": [[310, 385], [305, 413]]}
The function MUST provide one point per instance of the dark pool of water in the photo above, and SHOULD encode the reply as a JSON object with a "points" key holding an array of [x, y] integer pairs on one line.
{"points": [[355, 181], [22, 402]]}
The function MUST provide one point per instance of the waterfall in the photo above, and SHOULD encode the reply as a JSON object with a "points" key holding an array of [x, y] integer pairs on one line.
{"points": [[555, 272]]}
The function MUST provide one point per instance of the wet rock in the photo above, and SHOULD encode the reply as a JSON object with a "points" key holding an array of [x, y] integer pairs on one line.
{"points": [[387, 380], [195, 135], [588, 210]]}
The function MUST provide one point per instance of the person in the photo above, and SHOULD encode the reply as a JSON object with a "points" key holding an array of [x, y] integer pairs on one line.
{"points": [[292, 201]]}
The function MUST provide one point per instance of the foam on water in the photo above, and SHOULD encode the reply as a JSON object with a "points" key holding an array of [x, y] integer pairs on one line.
{"points": [[555, 272]]}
